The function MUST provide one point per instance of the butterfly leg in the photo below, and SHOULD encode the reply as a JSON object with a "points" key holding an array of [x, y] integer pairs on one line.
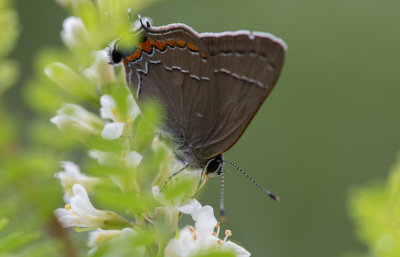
{"points": [[173, 175]]}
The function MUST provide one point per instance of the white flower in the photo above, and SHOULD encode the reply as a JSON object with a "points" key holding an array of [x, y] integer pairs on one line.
{"points": [[131, 158], [109, 110], [74, 32], [100, 72], [73, 118], [99, 237], [113, 130], [81, 213], [202, 237], [72, 175]]}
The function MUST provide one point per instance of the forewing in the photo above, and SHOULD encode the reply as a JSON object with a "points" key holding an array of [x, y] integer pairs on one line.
{"points": [[176, 72], [246, 67]]}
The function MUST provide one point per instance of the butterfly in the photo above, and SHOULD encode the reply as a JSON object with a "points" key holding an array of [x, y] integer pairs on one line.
{"points": [[211, 85]]}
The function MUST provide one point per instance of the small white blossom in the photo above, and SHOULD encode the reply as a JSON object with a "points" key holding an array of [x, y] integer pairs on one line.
{"points": [[99, 237], [131, 158], [81, 213], [72, 175], [73, 118], [100, 72], [113, 130], [202, 237], [74, 32], [109, 110]]}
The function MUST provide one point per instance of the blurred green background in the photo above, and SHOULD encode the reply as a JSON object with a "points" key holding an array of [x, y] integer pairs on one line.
{"points": [[332, 121]]}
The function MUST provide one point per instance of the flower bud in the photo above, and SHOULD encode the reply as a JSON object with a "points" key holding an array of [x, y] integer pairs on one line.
{"points": [[70, 81], [74, 33], [74, 119]]}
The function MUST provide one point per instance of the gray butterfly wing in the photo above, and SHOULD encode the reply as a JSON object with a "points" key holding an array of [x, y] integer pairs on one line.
{"points": [[211, 86], [181, 78], [246, 67]]}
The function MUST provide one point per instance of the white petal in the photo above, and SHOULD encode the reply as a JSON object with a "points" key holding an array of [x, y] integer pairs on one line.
{"points": [[81, 212], [83, 208], [80, 192], [107, 105], [74, 32], [56, 120], [113, 130], [173, 249], [187, 241], [105, 158], [156, 192], [128, 232], [66, 217], [92, 75], [70, 221], [205, 222], [133, 159], [59, 212], [192, 208], [100, 72], [183, 246], [100, 236], [72, 175], [237, 249], [73, 117], [71, 168], [133, 108]]}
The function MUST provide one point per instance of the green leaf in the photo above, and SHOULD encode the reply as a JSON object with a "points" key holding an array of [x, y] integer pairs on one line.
{"points": [[16, 240]]}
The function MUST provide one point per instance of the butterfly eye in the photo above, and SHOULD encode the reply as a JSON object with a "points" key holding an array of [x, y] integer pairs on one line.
{"points": [[214, 165], [116, 56]]}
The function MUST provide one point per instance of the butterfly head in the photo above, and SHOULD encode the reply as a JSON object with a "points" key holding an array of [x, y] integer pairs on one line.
{"points": [[215, 166], [116, 53]]}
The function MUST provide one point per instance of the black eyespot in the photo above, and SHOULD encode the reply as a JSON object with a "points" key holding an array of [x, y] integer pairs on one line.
{"points": [[116, 56], [214, 165]]}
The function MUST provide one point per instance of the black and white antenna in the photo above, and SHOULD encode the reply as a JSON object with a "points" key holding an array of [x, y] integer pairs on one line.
{"points": [[273, 196], [222, 205]]}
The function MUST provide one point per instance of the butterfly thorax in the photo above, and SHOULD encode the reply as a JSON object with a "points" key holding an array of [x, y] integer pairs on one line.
{"points": [[187, 154]]}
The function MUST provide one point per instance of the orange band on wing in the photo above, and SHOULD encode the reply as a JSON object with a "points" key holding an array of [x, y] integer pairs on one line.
{"points": [[192, 47], [171, 43], [180, 43], [135, 55], [160, 45], [148, 44]]}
